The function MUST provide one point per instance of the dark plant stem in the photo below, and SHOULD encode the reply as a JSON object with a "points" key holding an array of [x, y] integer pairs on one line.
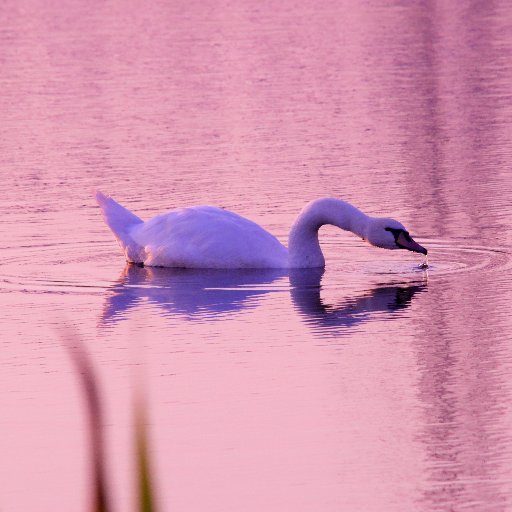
{"points": [[89, 385], [143, 469]]}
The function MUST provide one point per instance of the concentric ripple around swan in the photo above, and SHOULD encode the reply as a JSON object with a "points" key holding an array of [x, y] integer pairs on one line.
{"points": [[66, 268]]}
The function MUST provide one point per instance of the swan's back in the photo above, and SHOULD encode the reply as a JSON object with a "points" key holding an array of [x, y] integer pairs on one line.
{"points": [[207, 237]]}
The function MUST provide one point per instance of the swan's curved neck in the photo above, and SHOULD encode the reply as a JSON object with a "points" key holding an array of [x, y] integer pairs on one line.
{"points": [[303, 246]]}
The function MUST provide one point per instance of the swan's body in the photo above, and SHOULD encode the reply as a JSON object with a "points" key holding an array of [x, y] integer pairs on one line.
{"points": [[210, 237]]}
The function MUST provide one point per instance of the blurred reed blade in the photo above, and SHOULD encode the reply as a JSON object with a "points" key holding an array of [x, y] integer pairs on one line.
{"points": [[88, 381], [145, 496]]}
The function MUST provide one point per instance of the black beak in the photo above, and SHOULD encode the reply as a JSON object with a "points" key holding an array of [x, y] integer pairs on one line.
{"points": [[404, 241]]}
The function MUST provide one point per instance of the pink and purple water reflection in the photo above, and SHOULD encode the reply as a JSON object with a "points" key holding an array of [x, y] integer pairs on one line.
{"points": [[370, 387]]}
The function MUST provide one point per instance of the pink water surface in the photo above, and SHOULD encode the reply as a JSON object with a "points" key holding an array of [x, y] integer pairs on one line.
{"points": [[371, 387]]}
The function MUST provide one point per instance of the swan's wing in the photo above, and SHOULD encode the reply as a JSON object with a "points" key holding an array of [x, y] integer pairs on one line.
{"points": [[208, 237]]}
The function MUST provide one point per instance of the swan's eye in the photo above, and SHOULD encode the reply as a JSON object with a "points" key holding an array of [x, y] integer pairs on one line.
{"points": [[396, 232], [401, 237]]}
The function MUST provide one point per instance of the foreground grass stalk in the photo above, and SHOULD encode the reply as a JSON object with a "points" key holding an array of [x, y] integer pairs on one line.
{"points": [[88, 381], [143, 470]]}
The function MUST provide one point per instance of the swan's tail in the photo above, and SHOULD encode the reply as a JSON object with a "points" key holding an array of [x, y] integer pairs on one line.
{"points": [[121, 221]]}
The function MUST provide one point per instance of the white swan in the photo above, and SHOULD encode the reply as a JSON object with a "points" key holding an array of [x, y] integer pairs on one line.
{"points": [[210, 237]]}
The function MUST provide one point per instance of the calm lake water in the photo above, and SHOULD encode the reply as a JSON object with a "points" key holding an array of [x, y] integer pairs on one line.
{"points": [[374, 386]]}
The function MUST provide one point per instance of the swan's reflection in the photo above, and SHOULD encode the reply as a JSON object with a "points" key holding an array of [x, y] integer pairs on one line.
{"points": [[193, 293], [353, 310], [210, 294]]}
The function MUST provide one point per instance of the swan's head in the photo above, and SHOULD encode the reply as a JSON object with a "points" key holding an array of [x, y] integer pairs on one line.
{"points": [[390, 234]]}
